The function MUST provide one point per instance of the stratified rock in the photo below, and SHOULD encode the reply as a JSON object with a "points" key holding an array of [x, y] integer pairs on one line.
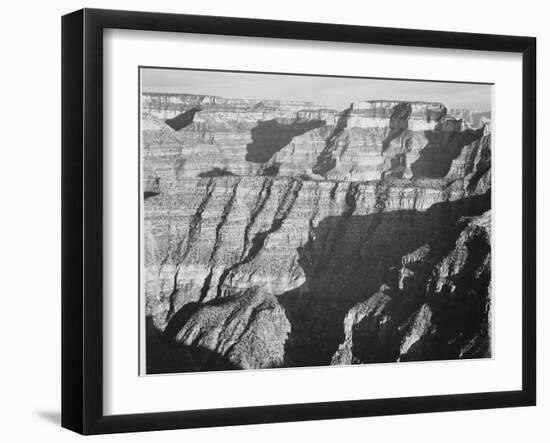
{"points": [[369, 140], [207, 238], [473, 118], [290, 234]]}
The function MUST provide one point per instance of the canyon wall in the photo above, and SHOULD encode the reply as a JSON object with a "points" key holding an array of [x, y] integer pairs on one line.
{"points": [[291, 234]]}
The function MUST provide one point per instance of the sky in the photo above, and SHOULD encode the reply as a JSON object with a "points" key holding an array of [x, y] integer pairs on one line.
{"points": [[335, 92]]}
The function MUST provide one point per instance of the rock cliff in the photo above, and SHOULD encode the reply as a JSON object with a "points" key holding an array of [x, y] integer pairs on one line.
{"points": [[290, 234]]}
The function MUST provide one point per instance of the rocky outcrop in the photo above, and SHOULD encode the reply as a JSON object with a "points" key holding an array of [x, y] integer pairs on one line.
{"points": [[472, 118], [289, 234], [437, 307], [367, 141], [247, 331], [232, 232]]}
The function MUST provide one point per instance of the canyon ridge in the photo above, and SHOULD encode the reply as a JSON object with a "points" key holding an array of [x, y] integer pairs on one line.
{"points": [[286, 233]]}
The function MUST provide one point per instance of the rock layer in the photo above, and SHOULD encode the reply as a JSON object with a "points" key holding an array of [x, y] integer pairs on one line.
{"points": [[436, 306], [289, 234]]}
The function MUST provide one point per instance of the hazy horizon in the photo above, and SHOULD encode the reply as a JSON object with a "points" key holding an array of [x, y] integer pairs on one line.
{"points": [[336, 92]]}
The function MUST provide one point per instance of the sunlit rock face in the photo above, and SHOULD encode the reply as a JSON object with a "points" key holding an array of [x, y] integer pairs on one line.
{"points": [[472, 118], [290, 234], [370, 140]]}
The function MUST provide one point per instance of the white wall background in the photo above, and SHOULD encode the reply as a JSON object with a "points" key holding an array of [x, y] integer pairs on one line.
{"points": [[30, 221]]}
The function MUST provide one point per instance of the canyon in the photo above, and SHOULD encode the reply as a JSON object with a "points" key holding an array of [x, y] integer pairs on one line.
{"points": [[286, 233]]}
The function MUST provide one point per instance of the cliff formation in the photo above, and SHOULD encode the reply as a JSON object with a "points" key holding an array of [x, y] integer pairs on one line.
{"points": [[291, 234]]}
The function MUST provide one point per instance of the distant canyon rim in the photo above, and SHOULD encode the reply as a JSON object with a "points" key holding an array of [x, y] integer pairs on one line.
{"points": [[286, 234]]}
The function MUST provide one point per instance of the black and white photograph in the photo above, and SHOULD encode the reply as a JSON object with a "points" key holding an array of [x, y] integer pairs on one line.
{"points": [[299, 220]]}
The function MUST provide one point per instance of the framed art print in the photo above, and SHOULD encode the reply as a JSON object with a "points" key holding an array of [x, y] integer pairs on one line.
{"points": [[276, 221]]}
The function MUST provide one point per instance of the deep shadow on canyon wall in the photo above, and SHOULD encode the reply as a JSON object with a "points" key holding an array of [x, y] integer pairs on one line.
{"points": [[182, 120], [164, 356], [346, 261], [270, 136], [443, 147]]}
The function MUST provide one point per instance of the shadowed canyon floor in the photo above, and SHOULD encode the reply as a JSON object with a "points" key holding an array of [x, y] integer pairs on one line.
{"points": [[282, 234]]}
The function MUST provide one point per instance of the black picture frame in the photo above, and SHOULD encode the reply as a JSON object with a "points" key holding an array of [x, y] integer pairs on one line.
{"points": [[82, 220]]}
